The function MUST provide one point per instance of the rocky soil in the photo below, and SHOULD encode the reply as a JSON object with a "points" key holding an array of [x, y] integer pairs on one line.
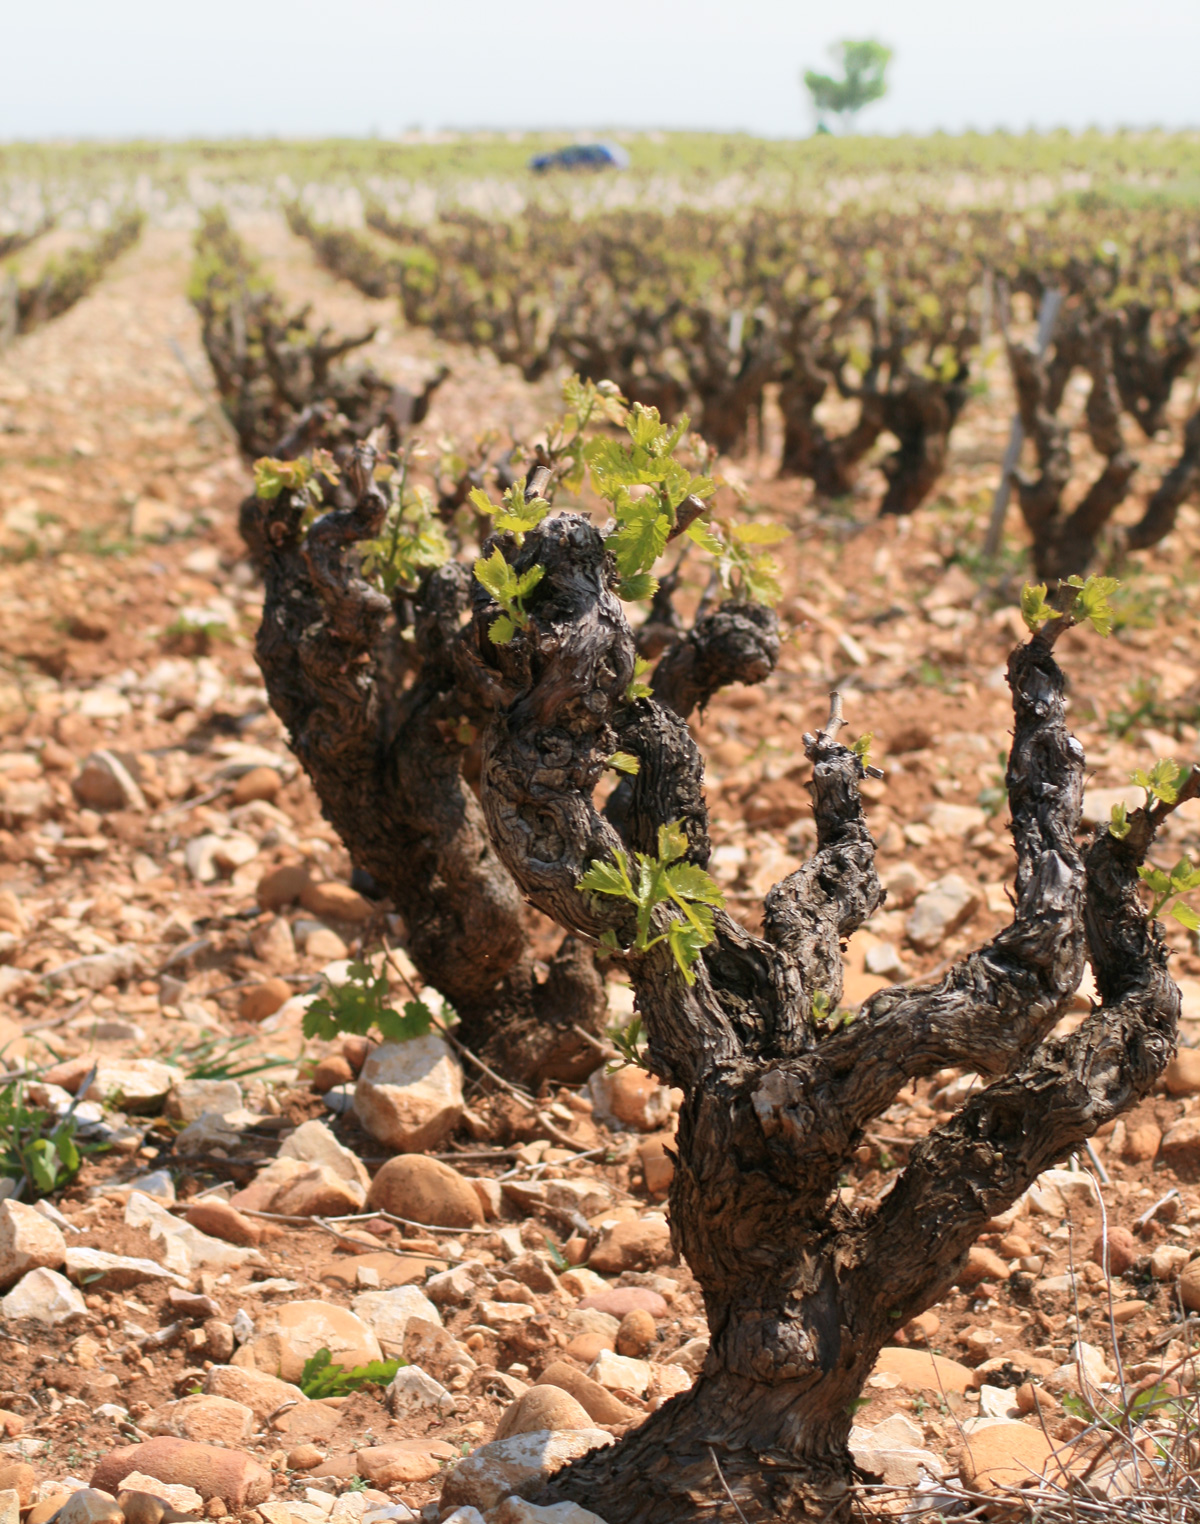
{"points": [[170, 899]]}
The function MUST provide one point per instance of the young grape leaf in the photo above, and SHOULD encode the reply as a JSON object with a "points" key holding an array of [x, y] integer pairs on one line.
{"points": [[1035, 611], [1091, 605], [635, 688]]}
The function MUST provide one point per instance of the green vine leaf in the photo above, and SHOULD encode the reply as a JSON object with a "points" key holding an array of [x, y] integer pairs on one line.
{"points": [[666, 880]]}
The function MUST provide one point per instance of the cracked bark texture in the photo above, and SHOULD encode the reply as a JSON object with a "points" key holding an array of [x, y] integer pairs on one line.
{"points": [[374, 693], [801, 1290]]}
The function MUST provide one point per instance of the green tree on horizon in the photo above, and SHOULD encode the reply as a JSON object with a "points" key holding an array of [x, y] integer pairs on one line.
{"points": [[864, 64]]}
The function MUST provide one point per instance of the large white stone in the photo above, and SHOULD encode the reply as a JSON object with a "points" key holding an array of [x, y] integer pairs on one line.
{"points": [[518, 1511], [28, 1241], [494, 1472], [313, 1143], [409, 1094], [939, 910], [191, 1099], [388, 1314], [185, 1248], [45, 1296], [133, 1084], [956, 820], [117, 1270], [290, 1334], [414, 1390], [621, 1373]]}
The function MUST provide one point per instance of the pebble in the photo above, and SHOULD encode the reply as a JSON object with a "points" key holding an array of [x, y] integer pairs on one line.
{"points": [[219, 1219], [895, 1451], [275, 945], [543, 1408], [313, 1143], [133, 1084], [916, 1370], [413, 1390], [261, 1392], [982, 1265], [18, 1477], [1189, 1286], [190, 1099], [234, 1477], [637, 1334], [258, 783], [259, 1001], [27, 1242], [330, 1072], [495, 1471], [185, 1248], [1143, 1139], [597, 1401], [106, 783], [118, 1272], [939, 910], [1003, 1455], [629, 1097], [389, 1466], [318, 1190], [290, 1334], [518, 1511], [427, 1191], [282, 886], [621, 1374], [337, 902], [1180, 1147], [1182, 1074], [618, 1300], [45, 1297], [1168, 1260], [388, 1314], [632, 1246], [658, 1166], [1123, 1250], [89, 1506], [209, 1419], [409, 1095]]}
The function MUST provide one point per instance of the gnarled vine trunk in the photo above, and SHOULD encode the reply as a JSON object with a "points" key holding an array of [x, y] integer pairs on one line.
{"points": [[381, 713], [802, 1290]]}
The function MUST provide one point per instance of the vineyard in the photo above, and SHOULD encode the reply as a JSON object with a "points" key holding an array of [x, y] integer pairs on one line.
{"points": [[598, 803]]}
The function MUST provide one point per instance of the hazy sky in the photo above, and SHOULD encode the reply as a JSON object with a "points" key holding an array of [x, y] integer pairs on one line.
{"points": [[166, 68]]}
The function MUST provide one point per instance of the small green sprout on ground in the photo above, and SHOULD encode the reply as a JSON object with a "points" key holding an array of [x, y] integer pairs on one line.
{"points": [[321, 1378], [37, 1151], [360, 1006], [664, 880]]}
